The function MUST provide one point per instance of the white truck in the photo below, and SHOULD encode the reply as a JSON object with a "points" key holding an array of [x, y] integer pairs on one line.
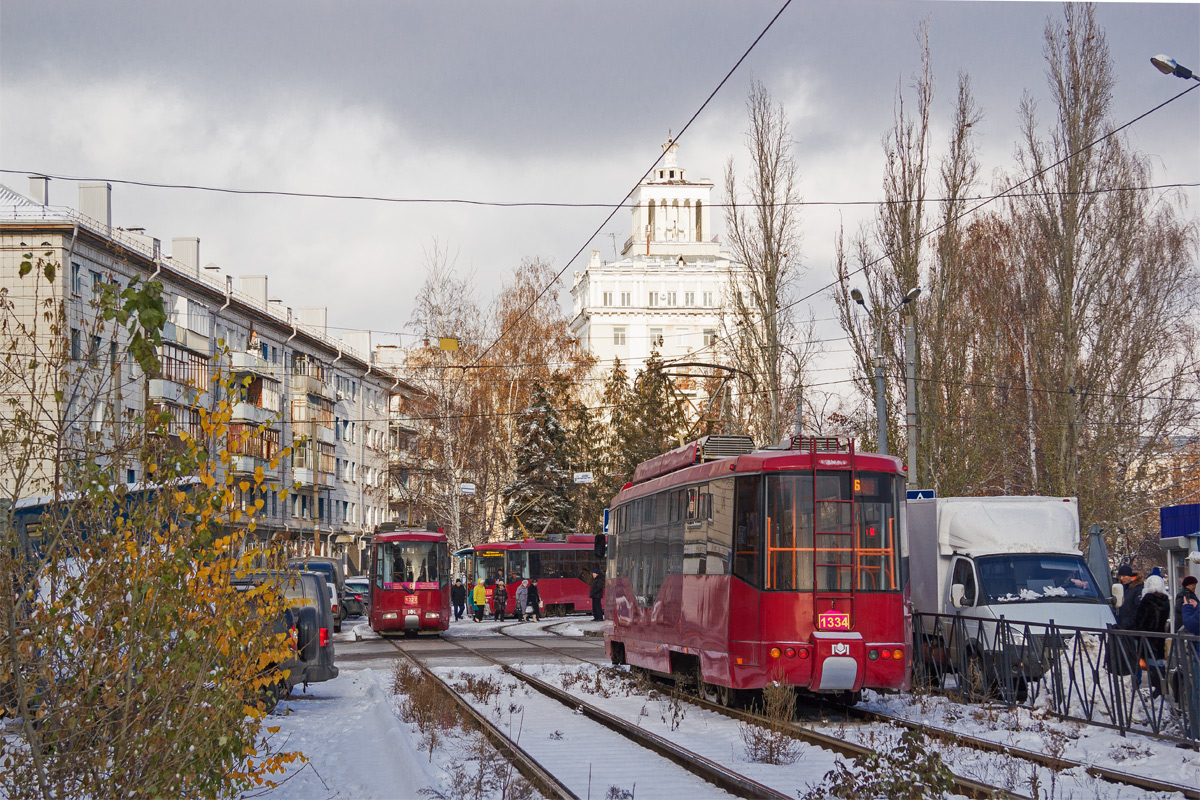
{"points": [[975, 561]]}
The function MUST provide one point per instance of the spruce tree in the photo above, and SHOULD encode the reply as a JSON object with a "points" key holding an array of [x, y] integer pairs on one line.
{"points": [[538, 498]]}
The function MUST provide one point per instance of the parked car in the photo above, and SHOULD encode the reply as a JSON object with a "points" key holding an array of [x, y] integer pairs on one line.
{"points": [[309, 618], [331, 568], [336, 606], [356, 596]]}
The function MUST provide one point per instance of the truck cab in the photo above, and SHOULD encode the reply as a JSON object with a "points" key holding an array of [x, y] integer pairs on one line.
{"points": [[1000, 585]]}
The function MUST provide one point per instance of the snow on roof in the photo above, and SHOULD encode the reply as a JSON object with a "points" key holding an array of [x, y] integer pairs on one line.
{"points": [[1008, 525]]}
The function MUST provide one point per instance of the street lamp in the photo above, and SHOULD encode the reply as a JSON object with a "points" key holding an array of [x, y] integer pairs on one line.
{"points": [[1169, 66], [880, 397]]}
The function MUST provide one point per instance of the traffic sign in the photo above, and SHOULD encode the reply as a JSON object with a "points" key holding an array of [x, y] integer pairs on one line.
{"points": [[466, 488], [584, 477], [606, 522], [921, 494]]}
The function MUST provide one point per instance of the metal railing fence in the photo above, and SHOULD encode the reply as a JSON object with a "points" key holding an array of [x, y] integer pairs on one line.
{"points": [[1125, 680]]}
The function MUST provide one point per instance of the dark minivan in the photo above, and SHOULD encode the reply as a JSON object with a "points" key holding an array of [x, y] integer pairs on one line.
{"points": [[309, 617]]}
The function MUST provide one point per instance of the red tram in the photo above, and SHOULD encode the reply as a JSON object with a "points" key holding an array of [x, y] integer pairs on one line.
{"points": [[410, 581], [733, 567], [563, 569]]}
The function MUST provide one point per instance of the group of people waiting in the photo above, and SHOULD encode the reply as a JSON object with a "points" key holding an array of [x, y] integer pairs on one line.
{"points": [[527, 604], [1146, 608]]}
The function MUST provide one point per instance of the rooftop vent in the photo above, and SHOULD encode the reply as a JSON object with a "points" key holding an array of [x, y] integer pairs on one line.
{"points": [[821, 444], [714, 447]]}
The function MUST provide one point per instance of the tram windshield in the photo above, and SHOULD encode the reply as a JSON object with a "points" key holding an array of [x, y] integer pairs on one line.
{"points": [[489, 566], [832, 531], [411, 563]]}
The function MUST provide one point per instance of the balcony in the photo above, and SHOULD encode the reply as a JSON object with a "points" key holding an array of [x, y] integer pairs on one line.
{"points": [[246, 465], [325, 435], [250, 364], [177, 334], [305, 476], [254, 415], [168, 391], [307, 384]]}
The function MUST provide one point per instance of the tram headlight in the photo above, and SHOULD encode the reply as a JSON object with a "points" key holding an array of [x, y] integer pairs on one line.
{"points": [[431, 615], [389, 615]]}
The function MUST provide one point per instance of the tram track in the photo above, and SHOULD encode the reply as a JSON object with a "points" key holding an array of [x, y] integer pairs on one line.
{"points": [[717, 775], [964, 785]]}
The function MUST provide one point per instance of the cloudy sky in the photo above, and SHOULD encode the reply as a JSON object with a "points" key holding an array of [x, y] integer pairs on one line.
{"points": [[547, 101]]}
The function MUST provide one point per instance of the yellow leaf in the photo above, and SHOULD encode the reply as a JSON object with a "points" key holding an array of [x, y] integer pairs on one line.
{"points": [[244, 486]]}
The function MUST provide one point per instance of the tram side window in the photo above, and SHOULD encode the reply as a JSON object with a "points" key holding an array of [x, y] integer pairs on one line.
{"points": [[716, 521], [790, 532], [518, 566], [747, 530]]}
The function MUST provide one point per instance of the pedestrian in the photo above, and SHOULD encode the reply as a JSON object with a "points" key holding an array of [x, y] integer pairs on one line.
{"points": [[479, 598], [1123, 653], [1132, 582], [597, 594], [1188, 590], [458, 598], [535, 600], [1153, 615], [499, 600], [1191, 625], [521, 609]]}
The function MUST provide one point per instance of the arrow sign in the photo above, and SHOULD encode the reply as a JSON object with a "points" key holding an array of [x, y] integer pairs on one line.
{"points": [[921, 494]]}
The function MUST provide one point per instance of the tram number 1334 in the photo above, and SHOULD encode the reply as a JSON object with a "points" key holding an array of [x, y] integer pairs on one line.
{"points": [[833, 621]]}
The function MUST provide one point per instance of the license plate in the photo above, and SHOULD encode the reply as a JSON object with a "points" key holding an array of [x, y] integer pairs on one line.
{"points": [[833, 621]]}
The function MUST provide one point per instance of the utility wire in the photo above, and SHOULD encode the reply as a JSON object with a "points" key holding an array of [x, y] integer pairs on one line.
{"points": [[637, 183], [195, 187], [1006, 193]]}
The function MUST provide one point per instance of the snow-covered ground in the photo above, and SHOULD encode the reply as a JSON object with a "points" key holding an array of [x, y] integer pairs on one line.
{"points": [[358, 746]]}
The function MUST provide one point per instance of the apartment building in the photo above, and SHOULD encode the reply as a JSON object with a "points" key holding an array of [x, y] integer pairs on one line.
{"points": [[324, 397]]}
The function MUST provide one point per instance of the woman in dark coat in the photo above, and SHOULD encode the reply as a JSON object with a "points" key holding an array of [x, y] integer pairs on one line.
{"points": [[1153, 615], [534, 600], [597, 595], [499, 600]]}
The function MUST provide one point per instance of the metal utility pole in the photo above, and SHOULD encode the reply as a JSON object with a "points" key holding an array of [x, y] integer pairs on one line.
{"points": [[910, 395], [880, 387]]}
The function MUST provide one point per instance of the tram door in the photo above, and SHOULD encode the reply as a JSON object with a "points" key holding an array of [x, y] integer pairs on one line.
{"points": [[833, 550]]}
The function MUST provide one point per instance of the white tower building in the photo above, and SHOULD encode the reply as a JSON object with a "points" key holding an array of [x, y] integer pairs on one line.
{"points": [[666, 292]]}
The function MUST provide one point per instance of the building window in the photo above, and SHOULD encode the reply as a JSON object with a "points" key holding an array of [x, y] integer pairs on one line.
{"points": [[608, 298], [708, 300], [699, 225], [619, 337], [76, 347], [97, 282], [689, 299], [625, 299], [654, 299], [93, 350], [656, 337], [710, 337], [671, 298], [76, 280]]}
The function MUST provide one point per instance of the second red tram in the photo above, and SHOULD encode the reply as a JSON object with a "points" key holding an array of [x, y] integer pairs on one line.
{"points": [[410, 581], [733, 567], [563, 569]]}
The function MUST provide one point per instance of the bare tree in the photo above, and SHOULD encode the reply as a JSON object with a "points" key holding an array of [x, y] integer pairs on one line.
{"points": [[764, 239], [444, 309]]}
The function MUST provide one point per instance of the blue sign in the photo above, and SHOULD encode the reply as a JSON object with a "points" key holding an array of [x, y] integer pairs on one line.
{"points": [[606, 522], [921, 494]]}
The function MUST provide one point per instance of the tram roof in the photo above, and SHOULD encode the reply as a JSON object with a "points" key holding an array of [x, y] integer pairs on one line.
{"points": [[575, 541], [761, 461], [410, 536]]}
